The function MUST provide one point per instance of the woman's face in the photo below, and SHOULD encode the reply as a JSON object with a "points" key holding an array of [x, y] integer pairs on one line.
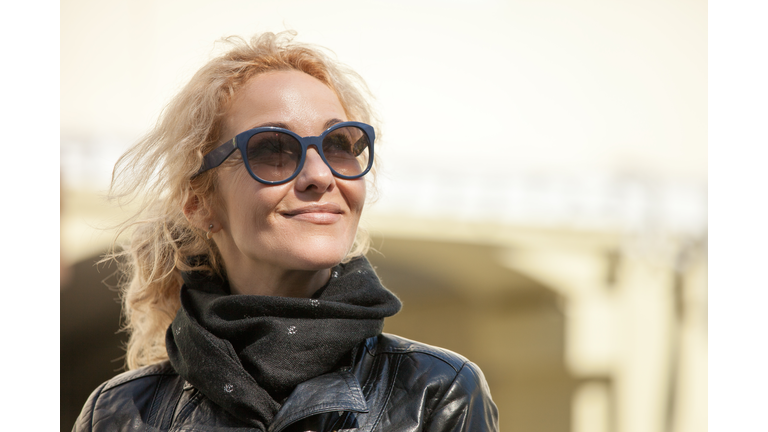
{"points": [[308, 223]]}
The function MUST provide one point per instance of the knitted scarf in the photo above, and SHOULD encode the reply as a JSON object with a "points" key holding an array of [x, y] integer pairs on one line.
{"points": [[247, 353]]}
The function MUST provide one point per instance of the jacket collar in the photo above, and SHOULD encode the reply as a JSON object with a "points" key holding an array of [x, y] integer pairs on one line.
{"points": [[335, 391]]}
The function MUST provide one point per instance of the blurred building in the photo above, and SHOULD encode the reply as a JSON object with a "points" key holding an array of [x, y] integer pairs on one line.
{"points": [[584, 302]]}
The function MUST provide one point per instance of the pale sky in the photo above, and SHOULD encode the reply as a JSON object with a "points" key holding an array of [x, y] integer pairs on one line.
{"points": [[590, 84]]}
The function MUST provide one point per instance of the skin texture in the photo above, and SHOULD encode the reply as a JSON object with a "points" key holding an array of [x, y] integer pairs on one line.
{"points": [[267, 246]]}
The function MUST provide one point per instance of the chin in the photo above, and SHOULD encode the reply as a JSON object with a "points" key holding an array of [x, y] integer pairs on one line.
{"points": [[318, 254]]}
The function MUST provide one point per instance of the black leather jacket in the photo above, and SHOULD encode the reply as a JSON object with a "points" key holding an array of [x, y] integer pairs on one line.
{"points": [[394, 385]]}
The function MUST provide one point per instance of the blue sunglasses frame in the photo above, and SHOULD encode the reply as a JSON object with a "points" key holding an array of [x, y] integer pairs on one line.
{"points": [[218, 155]]}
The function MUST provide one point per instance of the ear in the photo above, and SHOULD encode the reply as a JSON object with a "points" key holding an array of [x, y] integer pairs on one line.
{"points": [[197, 212]]}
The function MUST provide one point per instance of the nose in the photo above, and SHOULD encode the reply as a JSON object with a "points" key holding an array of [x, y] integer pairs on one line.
{"points": [[315, 174]]}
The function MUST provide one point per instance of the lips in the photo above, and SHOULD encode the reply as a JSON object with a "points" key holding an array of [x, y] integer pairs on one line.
{"points": [[325, 213], [314, 208]]}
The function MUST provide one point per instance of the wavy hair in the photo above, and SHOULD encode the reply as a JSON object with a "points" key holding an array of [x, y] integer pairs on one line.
{"points": [[157, 172]]}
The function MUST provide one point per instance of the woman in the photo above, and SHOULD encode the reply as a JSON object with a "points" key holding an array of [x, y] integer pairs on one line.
{"points": [[249, 302]]}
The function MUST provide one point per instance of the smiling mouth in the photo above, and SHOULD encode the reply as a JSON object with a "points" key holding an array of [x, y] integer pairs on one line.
{"points": [[319, 209], [317, 214]]}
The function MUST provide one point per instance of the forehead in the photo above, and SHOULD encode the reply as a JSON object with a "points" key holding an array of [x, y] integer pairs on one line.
{"points": [[293, 98]]}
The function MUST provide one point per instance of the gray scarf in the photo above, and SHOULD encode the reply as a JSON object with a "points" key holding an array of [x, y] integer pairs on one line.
{"points": [[247, 353]]}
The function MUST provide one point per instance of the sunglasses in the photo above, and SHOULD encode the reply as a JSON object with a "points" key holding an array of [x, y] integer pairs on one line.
{"points": [[274, 155]]}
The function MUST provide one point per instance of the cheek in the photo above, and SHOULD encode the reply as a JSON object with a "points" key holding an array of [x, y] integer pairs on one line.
{"points": [[239, 198], [354, 192], [253, 206]]}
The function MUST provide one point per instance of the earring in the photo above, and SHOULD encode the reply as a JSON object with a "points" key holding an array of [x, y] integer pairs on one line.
{"points": [[208, 234]]}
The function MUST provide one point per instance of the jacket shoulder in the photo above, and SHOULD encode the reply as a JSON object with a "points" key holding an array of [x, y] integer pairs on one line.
{"points": [[435, 385], [391, 344], [135, 376], [128, 398]]}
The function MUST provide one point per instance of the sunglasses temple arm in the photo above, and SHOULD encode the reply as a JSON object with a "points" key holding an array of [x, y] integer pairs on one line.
{"points": [[217, 156]]}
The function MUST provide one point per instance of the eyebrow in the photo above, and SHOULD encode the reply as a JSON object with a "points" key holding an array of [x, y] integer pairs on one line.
{"points": [[271, 124], [331, 122], [282, 125]]}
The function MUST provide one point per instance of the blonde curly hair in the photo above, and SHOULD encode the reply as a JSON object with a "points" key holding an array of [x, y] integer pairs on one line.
{"points": [[158, 173]]}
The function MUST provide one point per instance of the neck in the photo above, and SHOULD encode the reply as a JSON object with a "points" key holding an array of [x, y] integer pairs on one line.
{"points": [[277, 282]]}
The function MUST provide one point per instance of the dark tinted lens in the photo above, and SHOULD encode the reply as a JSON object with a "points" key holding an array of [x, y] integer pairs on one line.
{"points": [[273, 156], [347, 150]]}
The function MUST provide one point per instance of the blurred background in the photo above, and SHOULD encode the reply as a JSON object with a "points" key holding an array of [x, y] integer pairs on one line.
{"points": [[542, 201]]}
